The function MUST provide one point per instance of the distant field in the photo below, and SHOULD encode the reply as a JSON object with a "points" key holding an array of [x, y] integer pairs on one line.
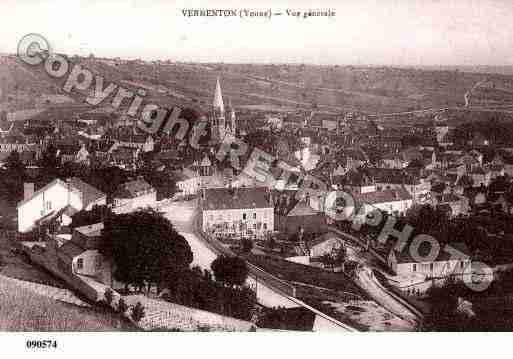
{"points": [[337, 88], [23, 310]]}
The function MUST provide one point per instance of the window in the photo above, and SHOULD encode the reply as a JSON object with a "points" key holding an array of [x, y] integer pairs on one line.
{"points": [[244, 216], [431, 267], [462, 264], [254, 215], [80, 263], [414, 267], [265, 226]]}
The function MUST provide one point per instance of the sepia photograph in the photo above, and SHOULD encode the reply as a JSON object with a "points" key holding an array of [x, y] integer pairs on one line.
{"points": [[290, 166]]}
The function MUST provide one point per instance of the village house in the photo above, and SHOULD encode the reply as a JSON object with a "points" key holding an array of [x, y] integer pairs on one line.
{"points": [[134, 195], [18, 143], [450, 262], [6, 127], [386, 179], [51, 199], [145, 143], [452, 204], [124, 157], [393, 201], [292, 214], [80, 255], [67, 151], [237, 211]]}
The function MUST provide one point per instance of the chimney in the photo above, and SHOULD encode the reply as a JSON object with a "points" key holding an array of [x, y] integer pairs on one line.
{"points": [[28, 190]]}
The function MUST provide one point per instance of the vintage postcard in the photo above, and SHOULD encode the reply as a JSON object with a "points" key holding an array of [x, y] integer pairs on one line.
{"points": [[298, 166]]}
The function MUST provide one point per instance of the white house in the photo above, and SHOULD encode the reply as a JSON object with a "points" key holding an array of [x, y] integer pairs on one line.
{"points": [[393, 201], [134, 195], [452, 260], [55, 197], [238, 211]]}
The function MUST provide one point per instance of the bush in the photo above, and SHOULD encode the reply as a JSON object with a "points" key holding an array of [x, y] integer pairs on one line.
{"points": [[122, 306], [247, 245], [199, 290], [138, 312], [109, 296], [230, 271]]}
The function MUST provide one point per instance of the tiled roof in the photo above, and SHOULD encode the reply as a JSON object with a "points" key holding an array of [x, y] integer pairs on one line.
{"points": [[393, 176], [391, 195], [236, 198], [90, 194], [71, 250], [301, 209], [133, 189]]}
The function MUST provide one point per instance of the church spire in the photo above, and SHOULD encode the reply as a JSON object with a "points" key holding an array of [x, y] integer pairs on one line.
{"points": [[218, 98]]}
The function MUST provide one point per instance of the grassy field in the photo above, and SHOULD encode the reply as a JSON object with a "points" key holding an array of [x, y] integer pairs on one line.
{"points": [[23, 310]]}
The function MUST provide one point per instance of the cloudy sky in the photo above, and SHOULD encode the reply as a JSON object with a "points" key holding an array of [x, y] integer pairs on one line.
{"points": [[389, 32]]}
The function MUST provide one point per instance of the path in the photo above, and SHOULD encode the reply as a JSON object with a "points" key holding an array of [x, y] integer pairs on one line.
{"points": [[371, 285], [269, 295]]}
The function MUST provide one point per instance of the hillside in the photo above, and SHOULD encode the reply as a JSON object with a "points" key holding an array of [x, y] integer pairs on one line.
{"points": [[23, 310], [286, 87]]}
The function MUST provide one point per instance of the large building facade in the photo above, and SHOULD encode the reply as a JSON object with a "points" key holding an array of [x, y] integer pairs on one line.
{"points": [[244, 212]]}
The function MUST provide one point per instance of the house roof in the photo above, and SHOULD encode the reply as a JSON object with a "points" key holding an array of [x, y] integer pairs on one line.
{"points": [[393, 176], [301, 209], [236, 198], [91, 230], [133, 189], [90, 194], [376, 197], [452, 251], [71, 249], [88, 237]]}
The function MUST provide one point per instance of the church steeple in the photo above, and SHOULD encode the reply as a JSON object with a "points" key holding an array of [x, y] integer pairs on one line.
{"points": [[218, 119], [218, 98]]}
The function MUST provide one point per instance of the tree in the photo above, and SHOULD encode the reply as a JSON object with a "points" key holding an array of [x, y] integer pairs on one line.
{"points": [[339, 255], [13, 177], [138, 312], [145, 248], [49, 160], [247, 245], [231, 271], [122, 306], [109, 296], [95, 215], [197, 289]]}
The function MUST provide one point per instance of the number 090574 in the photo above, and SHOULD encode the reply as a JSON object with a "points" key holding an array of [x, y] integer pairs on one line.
{"points": [[41, 344]]}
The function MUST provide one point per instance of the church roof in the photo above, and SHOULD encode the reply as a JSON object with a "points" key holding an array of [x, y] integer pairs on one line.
{"points": [[218, 97]]}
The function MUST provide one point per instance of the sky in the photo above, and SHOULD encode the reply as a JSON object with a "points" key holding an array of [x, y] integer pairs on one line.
{"points": [[362, 32]]}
